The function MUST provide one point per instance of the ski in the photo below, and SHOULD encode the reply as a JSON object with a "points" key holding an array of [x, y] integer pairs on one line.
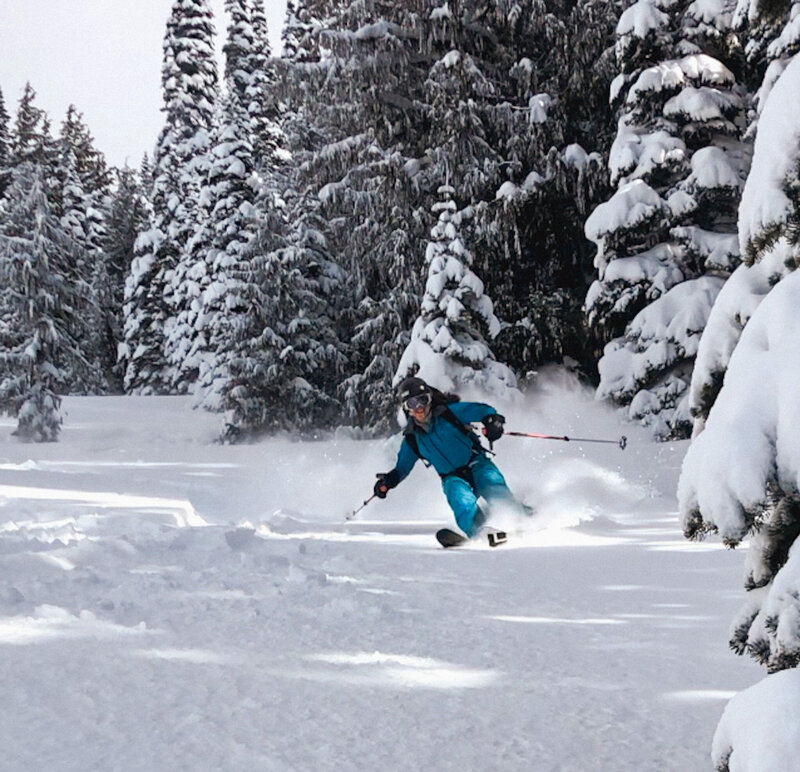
{"points": [[448, 538]]}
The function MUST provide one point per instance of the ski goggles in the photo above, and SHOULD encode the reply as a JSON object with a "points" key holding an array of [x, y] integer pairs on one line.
{"points": [[418, 401]]}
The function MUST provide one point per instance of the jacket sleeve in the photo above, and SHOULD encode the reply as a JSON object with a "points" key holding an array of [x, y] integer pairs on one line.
{"points": [[406, 458], [470, 412]]}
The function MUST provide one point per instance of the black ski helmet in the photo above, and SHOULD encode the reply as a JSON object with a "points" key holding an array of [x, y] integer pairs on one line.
{"points": [[412, 387]]}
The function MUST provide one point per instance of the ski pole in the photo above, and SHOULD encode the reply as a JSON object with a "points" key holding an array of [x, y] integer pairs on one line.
{"points": [[356, 511], [622, 441]]}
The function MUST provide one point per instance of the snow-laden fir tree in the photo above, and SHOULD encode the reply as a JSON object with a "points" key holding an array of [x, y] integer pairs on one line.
{"points": [[773, 39], [741, 474], [231, 218], [90, 162], [5, 147], [448, 345], [264, 112], [126, 217], [43, 302], [354, 136], [209, 282], [83, 190], [511, 124], [288, 358], [298, 32], [27, 137], [189, 84], [666, 239], [552, 119]]}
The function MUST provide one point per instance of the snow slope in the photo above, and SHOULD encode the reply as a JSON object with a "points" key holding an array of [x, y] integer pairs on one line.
{"points": [[172, 604]]}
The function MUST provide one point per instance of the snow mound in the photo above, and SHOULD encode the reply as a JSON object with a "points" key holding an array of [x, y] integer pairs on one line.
{"points": [[760, 728]]}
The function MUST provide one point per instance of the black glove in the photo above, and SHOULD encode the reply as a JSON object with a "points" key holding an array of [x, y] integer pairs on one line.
{"points": [[493, 427], [386, 481]]}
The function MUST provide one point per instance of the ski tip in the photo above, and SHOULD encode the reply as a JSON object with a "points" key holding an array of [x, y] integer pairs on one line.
{"points": [[448, 538]]}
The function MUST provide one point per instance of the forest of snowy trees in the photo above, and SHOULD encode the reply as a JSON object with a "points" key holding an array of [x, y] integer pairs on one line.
{"points": [[468, 189], [471, 189], [287, 241]]}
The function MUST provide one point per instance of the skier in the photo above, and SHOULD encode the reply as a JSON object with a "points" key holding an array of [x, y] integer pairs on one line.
{"points": [[438, 433]]}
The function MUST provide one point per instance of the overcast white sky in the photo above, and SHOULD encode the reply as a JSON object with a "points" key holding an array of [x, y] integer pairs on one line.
{"points": [[103, 56]]}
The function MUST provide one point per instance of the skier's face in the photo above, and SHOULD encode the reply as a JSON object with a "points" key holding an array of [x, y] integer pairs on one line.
{"points": [[419, 406], [421, 413]]}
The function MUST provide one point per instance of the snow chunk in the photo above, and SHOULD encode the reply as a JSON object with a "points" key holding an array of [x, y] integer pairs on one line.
{"points": [[715, 14], [451, 59], [532, 180], [788, 39], [615, 87], [656, 267], [712, 168], [760, 728], [374, 31], [640, 19], [676, 73], [575, 156], [538, 105], [717, 251], [635, 155], [633, 204], [508, 190], [702, 104]]}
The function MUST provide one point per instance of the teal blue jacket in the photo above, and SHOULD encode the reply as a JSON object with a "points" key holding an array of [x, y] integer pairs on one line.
{"points": [[444, 445]]}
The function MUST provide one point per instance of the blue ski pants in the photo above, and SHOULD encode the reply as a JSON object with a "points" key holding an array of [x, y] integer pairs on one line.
{"points": [[463, 487]]}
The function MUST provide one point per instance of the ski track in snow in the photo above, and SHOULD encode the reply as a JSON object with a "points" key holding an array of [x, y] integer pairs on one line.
{"points": [[172, 604]]}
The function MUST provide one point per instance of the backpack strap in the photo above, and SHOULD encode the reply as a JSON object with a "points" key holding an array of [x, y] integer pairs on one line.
{"points": [[411, 439]]}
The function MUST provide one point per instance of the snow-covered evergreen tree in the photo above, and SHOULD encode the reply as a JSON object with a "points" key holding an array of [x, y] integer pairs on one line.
{"points": [[189, 83], [209, 282], [126, 218], [265, 113], [288, 358], [83, 181], [5, 147], [42, 305], [345, 95], [773, 39], [28, 136], [90, 162], [666, 239], [297, 32], [231, 220], [448, 345], [741, 474]]}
